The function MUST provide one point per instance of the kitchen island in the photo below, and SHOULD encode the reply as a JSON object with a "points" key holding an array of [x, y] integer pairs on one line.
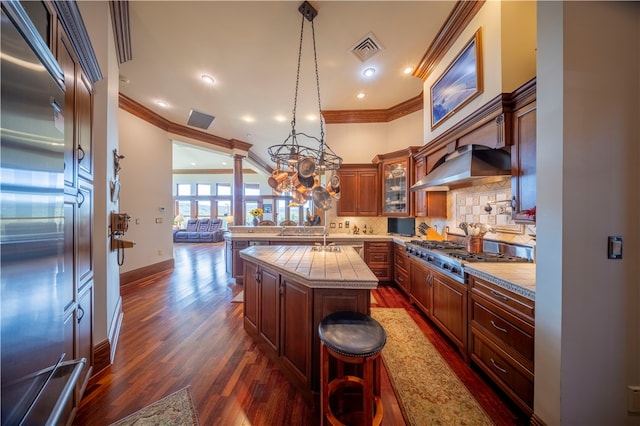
{"points": [[288, 290]]}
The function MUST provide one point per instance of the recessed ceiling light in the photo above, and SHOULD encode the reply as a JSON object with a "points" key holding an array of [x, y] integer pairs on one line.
{"points": [[207, 79], [123, 79], [369, 72], [193, 164], [280, 118], [248, 119], [408, 70], [311, 117], [162, 103], [360, 95]]}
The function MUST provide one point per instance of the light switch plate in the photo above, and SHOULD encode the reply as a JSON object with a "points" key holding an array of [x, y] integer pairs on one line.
{"points": [[614, 247]]}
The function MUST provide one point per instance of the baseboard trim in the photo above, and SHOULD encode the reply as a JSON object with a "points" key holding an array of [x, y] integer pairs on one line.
{"points": [[105, 351], [146, 271], [536, 421]]}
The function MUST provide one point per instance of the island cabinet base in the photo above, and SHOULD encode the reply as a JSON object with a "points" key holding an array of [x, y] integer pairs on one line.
{"points": [[282, 317]]}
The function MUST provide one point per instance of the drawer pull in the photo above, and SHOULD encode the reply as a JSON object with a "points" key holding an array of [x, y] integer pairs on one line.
{"points": [[498, 368], [504, 330], [500, 295]]}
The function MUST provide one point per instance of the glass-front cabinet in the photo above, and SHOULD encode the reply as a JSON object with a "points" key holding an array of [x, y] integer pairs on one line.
{"points": [[395, 188]]}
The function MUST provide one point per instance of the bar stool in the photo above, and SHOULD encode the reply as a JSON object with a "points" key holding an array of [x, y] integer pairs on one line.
{"points": [[351, 338]]}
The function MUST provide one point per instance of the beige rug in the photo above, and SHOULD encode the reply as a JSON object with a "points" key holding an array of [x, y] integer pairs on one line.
{"points": [[428, 390], [240, 298], [176, 409]]}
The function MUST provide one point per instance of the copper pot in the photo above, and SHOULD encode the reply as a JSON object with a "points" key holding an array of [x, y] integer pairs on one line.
{"points": [[301, 183], [277, 178]]}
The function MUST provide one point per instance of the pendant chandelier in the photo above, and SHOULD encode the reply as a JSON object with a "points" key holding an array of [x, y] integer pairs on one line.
{"points": [[303, 168]]}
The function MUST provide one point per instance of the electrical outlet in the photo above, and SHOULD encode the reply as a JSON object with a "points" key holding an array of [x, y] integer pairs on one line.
{"points": [[340, 225], [332, 225], [158, 220], [346, 224]]}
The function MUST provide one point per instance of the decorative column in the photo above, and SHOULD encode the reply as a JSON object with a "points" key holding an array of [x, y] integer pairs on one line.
{"points": [[238, 192]]}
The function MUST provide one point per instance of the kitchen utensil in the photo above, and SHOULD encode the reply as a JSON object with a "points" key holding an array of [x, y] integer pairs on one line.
{"points": [[463, 226], [306, 167], [321, 198], [277, 178], [422, 228]]}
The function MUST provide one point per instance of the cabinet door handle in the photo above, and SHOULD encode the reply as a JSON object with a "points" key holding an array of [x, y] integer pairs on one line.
{"points": [[80, 198], [500, 295], [258, 277], [81, 154], [281, 289], [498, 368], [504, 330], [80, 313]]}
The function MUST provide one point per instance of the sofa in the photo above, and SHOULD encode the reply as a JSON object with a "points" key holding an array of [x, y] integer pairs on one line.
{"points": [[200, 231]]}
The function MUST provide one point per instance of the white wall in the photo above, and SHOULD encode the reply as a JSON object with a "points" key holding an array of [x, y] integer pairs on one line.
{"points": [[587, 306], [145, 194], [97, 19]]}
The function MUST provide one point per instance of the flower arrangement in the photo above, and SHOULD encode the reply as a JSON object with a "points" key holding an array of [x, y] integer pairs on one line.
{"points": [[256, 212]]}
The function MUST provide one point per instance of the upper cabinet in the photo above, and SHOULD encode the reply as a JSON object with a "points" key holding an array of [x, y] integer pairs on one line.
{"points": [[396, 174], [523, 154], [395, 188], [359, 190], [427, 203]]}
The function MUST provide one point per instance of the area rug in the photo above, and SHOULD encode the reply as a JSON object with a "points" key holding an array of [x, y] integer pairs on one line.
{"points": [[239, 298], [427, 389], [176, 409]]}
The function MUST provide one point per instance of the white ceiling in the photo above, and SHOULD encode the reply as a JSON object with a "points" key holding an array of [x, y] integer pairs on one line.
{"points": [[251, 49]]}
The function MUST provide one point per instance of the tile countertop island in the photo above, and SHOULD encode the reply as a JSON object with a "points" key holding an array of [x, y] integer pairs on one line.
{"points": [[520, 278], [313, 268]]}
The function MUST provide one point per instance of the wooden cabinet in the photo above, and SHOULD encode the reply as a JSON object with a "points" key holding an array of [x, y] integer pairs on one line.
{"points": [[427, 203], [401, 267], [523, 156], [501, 339], [377, 256], [449, 309], [421, 286], [295, 330], [84, 335], [282, 316], [233, 262], [269, 307], [395, 188], [442, 299], [359, 193]]}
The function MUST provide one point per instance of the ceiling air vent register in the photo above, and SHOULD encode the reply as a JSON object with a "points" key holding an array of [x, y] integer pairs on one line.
{"points": [[367, 47], [200, 119]]}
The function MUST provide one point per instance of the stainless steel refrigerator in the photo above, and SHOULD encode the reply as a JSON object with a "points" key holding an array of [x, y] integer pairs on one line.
{"points": [[36, 282]]}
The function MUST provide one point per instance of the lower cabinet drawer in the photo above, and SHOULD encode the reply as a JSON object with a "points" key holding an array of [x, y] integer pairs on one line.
{"points": [[402, 279], [381, 273], [514, 379], [503, 328]]}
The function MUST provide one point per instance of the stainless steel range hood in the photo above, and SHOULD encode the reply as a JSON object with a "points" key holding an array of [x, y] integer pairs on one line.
{"points": [[469, 163]]}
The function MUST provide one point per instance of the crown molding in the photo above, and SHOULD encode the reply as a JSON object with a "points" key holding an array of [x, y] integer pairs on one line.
{"points": [[144, 113], [459, 18], [121, 29], [374, 115]]}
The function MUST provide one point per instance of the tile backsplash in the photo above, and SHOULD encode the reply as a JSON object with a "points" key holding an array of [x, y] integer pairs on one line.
{"points": [[463, 205]]}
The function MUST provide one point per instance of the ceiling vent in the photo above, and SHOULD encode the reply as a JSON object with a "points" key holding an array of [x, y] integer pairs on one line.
{"points": [[366, 47], [200, 119]]}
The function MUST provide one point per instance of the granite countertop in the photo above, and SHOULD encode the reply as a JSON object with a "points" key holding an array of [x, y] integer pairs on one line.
{"points": [[316, 269], [519, 278], [275, 237]]}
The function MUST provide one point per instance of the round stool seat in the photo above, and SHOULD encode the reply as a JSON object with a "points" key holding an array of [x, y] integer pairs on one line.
{"points": [[352, 334]]}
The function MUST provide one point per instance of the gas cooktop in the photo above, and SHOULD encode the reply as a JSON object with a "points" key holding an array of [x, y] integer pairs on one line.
{"points": [[458, 251]]}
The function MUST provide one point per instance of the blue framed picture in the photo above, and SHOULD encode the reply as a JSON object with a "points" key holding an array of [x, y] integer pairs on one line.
{"points": [[459, 84]]}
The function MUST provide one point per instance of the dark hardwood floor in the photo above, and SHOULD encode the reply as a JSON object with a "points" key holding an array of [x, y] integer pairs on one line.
{"points": [[181, 329]]}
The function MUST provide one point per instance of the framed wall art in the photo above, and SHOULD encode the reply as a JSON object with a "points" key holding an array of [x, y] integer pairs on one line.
{"points": [[459, 84]]}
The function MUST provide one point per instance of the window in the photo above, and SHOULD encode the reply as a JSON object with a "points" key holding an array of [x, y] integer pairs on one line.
{"points": [[184, 210], [223, 189], [184, 189], [248, 206], [203, 189], [224, 208], [251, 189], [204, 209]]}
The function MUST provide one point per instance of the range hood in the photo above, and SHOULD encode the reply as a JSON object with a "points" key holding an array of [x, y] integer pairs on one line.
{"points": [[469, 163]]}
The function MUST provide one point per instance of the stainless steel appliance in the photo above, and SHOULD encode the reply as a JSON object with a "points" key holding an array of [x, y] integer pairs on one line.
{"points": [[37, 374], [449, 257]]}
